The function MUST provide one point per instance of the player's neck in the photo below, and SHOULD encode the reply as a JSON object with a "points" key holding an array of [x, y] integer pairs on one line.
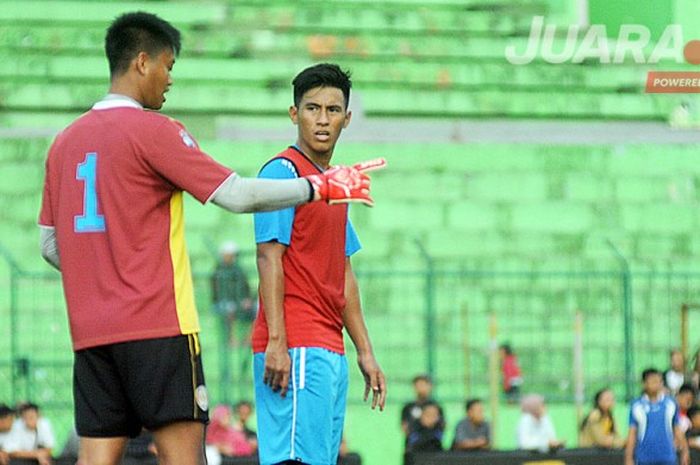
{"points": [[321, 159], [118, 86]]}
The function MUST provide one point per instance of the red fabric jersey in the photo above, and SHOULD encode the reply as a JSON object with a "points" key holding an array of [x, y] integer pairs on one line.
{"points": [[314, 273], [511, 371], [113, 193]]}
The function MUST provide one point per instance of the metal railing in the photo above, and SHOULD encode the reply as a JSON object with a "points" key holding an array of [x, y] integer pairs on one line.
{"points": [[433, 320]]}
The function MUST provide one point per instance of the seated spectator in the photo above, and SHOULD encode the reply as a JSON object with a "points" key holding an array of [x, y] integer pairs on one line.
{"points": [[7, 417], [244, 410], [31, 436], [473, 432], [674, 377], [411, 412], [598, 428], [693, 433], [426, 434], [535, 429], [685, 400], [221, 434]]}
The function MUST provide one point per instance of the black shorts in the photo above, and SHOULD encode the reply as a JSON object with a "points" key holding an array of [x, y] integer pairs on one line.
{"points": [[120, 388]]}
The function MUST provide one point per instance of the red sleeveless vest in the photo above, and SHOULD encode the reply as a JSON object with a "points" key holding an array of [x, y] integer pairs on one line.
{"points": [[314, 273]]}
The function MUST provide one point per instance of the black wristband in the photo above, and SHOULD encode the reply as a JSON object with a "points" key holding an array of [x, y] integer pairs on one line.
{"points": [[311, 188]]}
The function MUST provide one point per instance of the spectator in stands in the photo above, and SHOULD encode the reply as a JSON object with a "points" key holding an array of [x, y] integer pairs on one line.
{"points": [[654, 430], [473, 432], [426, 434], [512, 377], [244, 410], [535, 429], [224, 437], [674, 377], [7, 418], [31, 436], [411, 412], [685, 400], [598, 428], [693, 434], [231, 293]]}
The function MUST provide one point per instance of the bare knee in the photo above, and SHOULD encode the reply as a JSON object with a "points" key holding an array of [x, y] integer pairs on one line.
{"points": [[180, 443], [101, 451]]}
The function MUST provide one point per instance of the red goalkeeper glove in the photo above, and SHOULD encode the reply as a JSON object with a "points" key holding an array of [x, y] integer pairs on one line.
{"points": [[341, 184]]}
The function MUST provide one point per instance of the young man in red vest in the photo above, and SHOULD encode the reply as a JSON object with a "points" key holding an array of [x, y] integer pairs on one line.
{"points": [[308, 293]]}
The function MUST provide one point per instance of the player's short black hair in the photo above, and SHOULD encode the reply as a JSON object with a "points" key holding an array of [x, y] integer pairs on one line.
{"points": [[136, 32], [650, 372], [472, 402], [322, 75], [5, 411]]}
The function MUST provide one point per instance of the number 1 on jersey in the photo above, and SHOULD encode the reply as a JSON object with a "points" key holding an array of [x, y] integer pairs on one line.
{"points": [[89, 221]]}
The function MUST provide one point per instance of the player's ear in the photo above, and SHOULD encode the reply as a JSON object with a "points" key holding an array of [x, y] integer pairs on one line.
{"points": [[294, 114], [348, 116], [141, 62]]}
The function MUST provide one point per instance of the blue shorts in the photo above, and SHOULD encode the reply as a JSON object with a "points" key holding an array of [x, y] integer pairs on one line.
{"points": [[307, 424]]}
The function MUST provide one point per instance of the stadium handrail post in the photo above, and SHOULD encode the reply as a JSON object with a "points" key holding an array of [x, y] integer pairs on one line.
{"points": [[15, 273], [626, 283], [429, 307], [579, 388]]}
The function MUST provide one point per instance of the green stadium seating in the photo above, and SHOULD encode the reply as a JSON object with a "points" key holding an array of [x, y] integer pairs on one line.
{"points": [[101, 12], [271, 72]]}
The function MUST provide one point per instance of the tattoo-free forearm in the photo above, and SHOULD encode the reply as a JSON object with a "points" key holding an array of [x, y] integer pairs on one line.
{"points": [[353, 319], [272, 290]]}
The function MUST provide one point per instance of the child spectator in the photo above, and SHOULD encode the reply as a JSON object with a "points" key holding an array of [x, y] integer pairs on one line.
{"points": [[411, 412], [598, 428], [473, 432], [244, 410], [512, 377], [426, 434], [654, 426], [693, 434], [685, 399], [535, 429]]}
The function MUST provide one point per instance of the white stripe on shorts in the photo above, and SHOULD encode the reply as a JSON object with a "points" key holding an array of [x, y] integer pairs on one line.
{"points": [[292, 452], [302, 368]]}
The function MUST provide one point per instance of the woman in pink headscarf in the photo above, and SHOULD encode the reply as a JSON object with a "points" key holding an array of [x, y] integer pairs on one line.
{"points": [[222, 435]]}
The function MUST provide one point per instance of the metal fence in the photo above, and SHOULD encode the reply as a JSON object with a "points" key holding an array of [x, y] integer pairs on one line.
{"points": [[435, 319]]}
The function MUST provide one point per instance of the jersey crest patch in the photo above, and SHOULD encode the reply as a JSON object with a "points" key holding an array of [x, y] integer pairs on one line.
{"points": [[187, 139]]}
